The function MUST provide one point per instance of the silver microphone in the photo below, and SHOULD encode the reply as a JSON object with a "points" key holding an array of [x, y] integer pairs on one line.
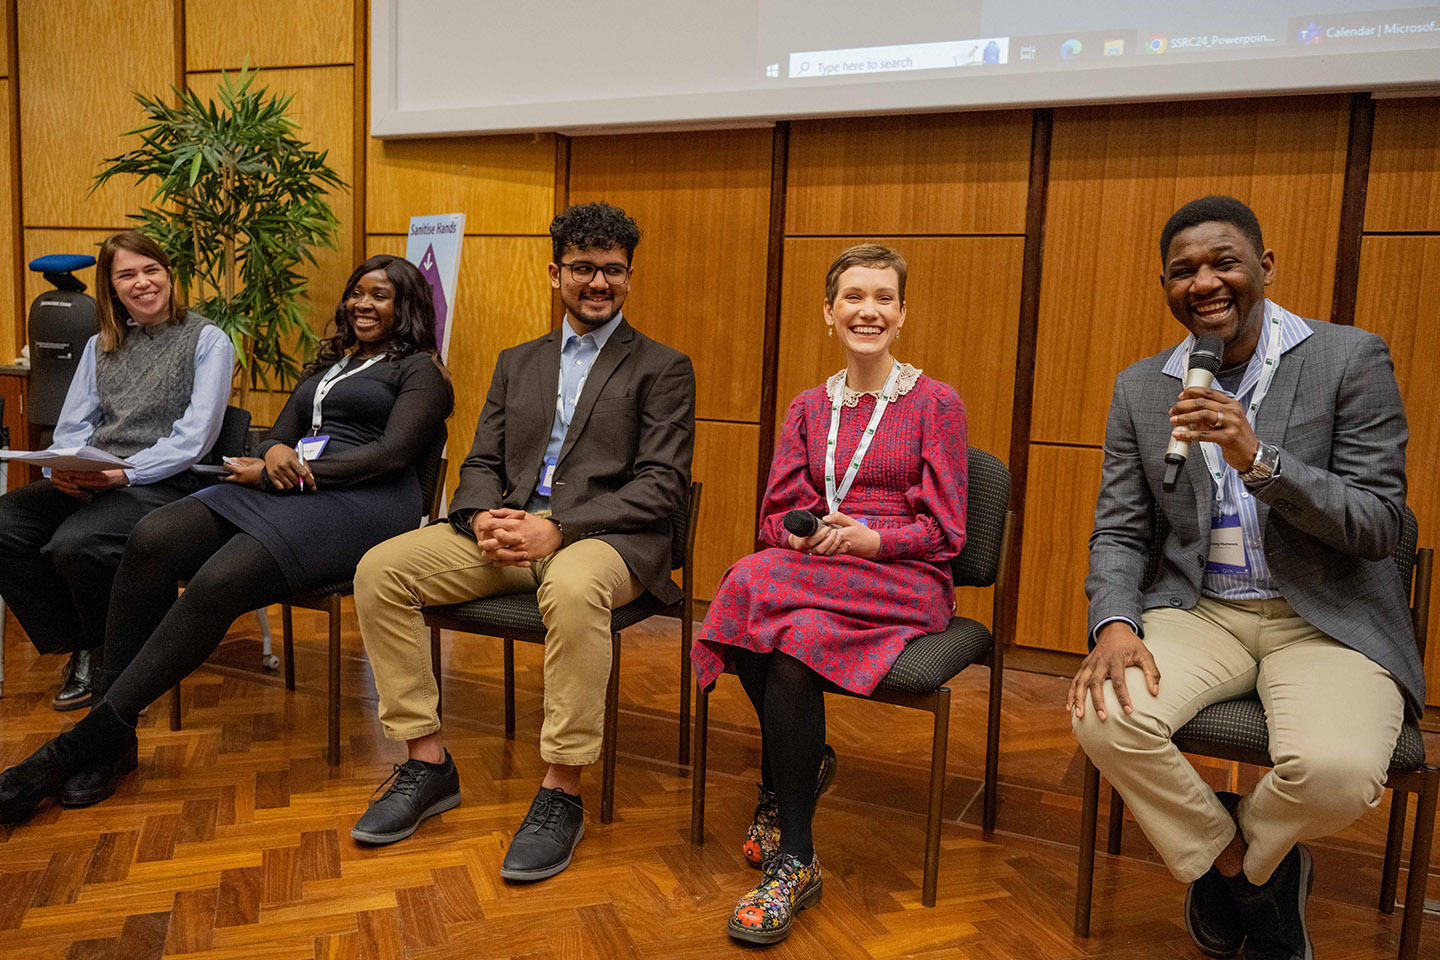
{"points": [[1204, 362]]}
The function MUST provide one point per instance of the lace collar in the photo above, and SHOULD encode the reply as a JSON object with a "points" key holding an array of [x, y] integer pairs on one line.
{"points": [[903, 385]]}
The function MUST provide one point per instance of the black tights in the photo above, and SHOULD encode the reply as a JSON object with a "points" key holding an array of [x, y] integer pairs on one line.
{"points": [[152, 639], [789, 699]]}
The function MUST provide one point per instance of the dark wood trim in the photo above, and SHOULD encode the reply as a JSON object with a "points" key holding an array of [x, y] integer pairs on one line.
{"points": [[17, 210], [1053, 663], [358, 199], [1352, 209], [770, 345], [179, 7], [562, 200], [1028, 328]]}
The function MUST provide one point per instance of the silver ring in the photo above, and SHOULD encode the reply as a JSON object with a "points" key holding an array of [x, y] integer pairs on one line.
{"points": [[1219, 418]]}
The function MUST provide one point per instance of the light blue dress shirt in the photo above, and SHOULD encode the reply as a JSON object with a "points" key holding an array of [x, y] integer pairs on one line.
{"points": [[193, 434], [577, 356]]}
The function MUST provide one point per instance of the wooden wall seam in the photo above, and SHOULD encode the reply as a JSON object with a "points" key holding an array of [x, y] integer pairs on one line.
{"points": [[1352, 208], [562, 200], [178, 19], [774, 275], [1027, 343], [17, 213], [362, 128]]}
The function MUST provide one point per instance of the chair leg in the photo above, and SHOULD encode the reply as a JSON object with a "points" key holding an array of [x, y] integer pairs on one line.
{"points": [[1085, 876], [175, 707], [608, 741], [697, 773], [435, 669], [287, 631], [333, 754], [1419, 866], [992, 750], [686, 623], [938, 746], [1117, 823], [1394, 847], [509, 689]]}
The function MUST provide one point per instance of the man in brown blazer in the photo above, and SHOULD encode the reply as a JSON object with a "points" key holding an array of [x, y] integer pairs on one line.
{"points": [[581, 456]]}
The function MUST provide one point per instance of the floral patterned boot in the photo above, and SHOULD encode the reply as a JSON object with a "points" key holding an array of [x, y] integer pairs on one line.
{"points": [[762, 840], [765, 914]]}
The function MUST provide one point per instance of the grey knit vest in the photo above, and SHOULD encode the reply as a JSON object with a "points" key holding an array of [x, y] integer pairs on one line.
{"points": [[145, 384]]}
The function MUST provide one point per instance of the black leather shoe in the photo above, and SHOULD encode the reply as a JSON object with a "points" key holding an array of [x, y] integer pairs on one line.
{"points": [[98, 735], [99, 780], [547, 837], [1211, 916], [77, 682], [419, 790], [1274, 912]]}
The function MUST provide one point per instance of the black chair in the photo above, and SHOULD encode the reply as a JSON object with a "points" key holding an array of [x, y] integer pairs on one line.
{"points": [[516, 616], [1235, 730], [917, 679], [327, 598]]}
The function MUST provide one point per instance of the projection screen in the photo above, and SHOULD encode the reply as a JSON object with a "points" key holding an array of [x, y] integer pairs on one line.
{"points": [[451, 67]]}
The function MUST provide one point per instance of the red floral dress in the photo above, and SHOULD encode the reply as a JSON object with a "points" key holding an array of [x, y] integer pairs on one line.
{"points": [[845, 617]]}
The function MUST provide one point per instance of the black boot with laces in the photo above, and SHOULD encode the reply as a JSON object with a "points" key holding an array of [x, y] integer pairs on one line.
{"points": [[417, 790]]}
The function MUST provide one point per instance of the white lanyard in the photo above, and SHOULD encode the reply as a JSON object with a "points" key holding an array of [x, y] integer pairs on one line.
{"points": [[327, 383], [834, 495], [1271, 362]]}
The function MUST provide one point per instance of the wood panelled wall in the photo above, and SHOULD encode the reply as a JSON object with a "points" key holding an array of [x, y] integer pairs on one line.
{"points": [[739, 227]]}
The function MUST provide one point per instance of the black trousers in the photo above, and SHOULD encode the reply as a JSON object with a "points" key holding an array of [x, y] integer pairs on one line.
{"points": [[59, 554]]}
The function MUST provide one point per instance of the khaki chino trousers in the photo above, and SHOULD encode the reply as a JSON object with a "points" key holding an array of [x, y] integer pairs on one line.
{"points": [[577, 587], [1333, 716]]}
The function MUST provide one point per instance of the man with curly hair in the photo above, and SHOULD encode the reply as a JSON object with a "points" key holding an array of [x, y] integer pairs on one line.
{"points": [[581, 456]]}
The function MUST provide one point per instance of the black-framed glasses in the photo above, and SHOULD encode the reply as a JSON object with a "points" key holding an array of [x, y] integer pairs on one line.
{"points": [[583, 271]]}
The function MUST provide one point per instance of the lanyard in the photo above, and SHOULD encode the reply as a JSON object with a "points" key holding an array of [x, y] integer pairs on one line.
{"points": [[327, 383], [834, 495], [1271, 362]]}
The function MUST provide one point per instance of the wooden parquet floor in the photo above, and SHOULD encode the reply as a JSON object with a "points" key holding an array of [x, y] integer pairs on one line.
{"points": [[232, 839]]}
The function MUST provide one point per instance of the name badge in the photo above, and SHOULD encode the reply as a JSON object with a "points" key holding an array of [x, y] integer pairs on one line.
{"points": [[547, 475], [1227, 546], [310, 448]]}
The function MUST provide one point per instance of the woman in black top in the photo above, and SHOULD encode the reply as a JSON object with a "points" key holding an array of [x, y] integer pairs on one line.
{"points": [[280, 525]]}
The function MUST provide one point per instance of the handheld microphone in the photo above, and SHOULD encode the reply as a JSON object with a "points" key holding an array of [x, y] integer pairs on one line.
{"points": [[803, 523], [1204, 362]]}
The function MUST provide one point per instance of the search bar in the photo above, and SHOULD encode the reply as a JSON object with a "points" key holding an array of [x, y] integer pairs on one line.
{"points": [[943, 55]]}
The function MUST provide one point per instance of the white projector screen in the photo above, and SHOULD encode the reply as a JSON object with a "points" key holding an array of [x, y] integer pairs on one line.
{"points": [[455, 67]]}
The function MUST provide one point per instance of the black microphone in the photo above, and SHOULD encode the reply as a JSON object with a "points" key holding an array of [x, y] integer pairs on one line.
{"points": [[1204, 362], [803, 523]]}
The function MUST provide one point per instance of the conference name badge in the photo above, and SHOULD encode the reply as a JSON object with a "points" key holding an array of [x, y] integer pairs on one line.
{"points": [[547, 476], [310, 448], [1227, 546]]}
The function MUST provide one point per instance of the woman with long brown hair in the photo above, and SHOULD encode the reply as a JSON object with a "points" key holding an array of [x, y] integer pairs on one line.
{"points": [[150, 387]]}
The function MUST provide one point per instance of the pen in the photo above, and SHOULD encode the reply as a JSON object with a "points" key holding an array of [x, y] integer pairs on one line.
{"points": [[300, 452]]}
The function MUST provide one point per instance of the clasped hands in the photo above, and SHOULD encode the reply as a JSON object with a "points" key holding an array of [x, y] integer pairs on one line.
{"points": [[83, 483], [512, 538], [843, 535], [1215, 417], [281, 463]]}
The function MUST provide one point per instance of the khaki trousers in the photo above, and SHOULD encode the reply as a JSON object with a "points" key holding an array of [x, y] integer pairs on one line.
{"points": [[1333, 716], [577, 587]]}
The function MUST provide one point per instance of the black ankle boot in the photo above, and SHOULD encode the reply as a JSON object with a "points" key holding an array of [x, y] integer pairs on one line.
{"points": [[42, 774], [77, 683]]}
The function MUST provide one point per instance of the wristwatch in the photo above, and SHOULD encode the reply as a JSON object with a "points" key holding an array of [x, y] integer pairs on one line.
{"points": [[1265, 466]]}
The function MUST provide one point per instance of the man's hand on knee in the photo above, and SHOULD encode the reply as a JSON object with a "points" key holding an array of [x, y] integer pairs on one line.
{"points": [[1116, 648]]}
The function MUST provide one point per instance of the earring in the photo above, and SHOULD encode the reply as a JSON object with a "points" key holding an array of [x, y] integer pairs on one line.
{"points": [[829, 330], [897, 334]]}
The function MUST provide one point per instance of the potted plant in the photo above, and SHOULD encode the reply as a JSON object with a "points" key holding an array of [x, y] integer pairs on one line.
{"points": [[239, 202]]}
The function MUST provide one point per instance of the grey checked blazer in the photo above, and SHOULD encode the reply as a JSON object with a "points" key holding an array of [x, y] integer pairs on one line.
{"points": [[1330, 519], [625, 466]]}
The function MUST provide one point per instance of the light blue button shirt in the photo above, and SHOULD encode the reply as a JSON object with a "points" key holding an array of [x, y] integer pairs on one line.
{"points": [[577, 356], [1236, 500], [191, 436]]}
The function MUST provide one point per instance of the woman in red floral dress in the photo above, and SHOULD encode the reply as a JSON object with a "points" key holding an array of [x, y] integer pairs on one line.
{"points": [[878, 453]]}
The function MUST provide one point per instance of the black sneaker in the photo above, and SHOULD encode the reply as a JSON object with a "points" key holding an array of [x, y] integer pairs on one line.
{"points": [[419, 790], [1211, 916], [547, 837], [99, 780], [1274, 913]]}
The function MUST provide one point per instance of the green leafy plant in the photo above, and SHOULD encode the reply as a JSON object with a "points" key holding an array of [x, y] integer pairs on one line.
{"points": [[239, 202]]}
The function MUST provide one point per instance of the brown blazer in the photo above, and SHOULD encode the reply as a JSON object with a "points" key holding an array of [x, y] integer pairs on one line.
{"points": [[625, 466]]}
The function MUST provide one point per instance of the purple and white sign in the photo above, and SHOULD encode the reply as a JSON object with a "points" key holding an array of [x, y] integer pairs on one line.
{"points": [[434, 247]]}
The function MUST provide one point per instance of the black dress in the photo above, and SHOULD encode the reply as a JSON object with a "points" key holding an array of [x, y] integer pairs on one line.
{"points": [[380, 421]]}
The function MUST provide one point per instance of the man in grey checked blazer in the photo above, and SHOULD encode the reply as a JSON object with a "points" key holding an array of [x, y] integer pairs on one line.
{"points": [[1294, 597]]}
